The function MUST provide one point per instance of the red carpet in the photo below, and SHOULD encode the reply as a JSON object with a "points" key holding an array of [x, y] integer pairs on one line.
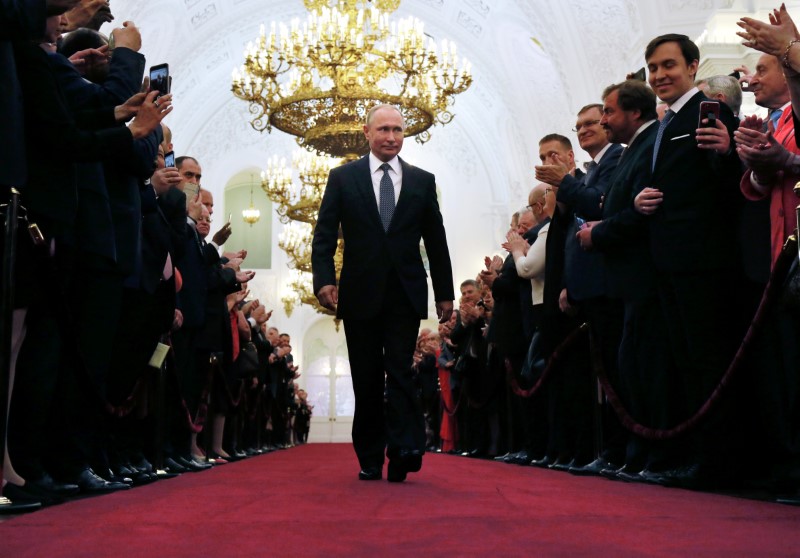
{"points": [[306, 501]]}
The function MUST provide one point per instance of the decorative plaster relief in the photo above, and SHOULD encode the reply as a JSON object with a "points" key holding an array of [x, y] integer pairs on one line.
{"points": [[465, 21], [478, 6], [202, 17], [434, 3]]}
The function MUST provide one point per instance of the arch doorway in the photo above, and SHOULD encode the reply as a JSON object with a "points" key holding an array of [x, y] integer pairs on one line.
{"points": [[328, 383]]}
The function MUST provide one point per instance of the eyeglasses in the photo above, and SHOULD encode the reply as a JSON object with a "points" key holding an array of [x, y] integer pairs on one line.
{"points": [[578, 127]]}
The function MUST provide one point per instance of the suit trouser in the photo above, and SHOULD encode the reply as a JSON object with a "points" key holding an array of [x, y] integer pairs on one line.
{"points": [[381, 351], [700, 313]]}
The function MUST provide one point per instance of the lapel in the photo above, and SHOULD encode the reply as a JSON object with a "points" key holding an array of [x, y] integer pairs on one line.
{"points": [[363, 181], [406, 192]]}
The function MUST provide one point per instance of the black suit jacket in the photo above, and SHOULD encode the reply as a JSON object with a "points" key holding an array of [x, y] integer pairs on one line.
{"points": [[22, 20], [370, 253], [694, 228], [622, 236], [584, 273]]}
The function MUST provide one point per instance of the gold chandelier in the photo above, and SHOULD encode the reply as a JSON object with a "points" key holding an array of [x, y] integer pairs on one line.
{"points": [[298, 208], [297, 204], [318, 81]]}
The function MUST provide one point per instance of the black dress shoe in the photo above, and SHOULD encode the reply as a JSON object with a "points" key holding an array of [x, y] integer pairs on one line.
{"points": [[172, 466], [47, 483], [519, 458], [30, 494], [561, 466], [687, 476], [545, 461], [593, 469], [504, 457], [192, 464], [651, 477], [370, 473], [410, 460], [90, 482], [7, 506], [396, 472]]}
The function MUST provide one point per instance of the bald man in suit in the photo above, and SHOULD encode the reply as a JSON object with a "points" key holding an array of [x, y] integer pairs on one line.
{"points": [[385, 207]]}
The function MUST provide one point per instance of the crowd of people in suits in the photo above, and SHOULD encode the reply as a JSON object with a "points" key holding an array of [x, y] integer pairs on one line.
{"points": [[133, 347], [644, 322]]}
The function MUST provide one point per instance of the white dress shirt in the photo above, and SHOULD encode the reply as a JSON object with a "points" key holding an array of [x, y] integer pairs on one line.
{"points": [[395, 173]]}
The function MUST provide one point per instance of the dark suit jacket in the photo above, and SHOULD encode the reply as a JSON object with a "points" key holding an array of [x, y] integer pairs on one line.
{"points": [[370, 254], [622, 236], [584, 273], [22, 20], [54, 141], [694, 228]]}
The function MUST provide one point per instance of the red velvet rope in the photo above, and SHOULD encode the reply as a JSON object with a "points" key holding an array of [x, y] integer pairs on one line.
{"points": [[548, 370], [776, 280]]}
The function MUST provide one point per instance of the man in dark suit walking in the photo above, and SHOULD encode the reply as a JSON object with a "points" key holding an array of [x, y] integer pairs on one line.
{"points": [[384, 206]]}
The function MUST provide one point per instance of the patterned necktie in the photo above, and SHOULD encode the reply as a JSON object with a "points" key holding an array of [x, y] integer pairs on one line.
{"points": [[668, 116], [386, 193], [591, 167]]}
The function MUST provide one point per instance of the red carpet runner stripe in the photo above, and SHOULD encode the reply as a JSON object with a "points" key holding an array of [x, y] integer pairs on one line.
{"points": [[306, 501]]}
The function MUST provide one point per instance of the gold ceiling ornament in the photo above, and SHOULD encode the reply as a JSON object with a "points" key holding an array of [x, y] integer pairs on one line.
{"points": [[251, 215], [317, 80], [297, 204]]}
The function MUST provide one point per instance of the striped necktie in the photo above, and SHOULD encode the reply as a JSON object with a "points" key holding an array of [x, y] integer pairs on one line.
{"points": [[386, 195]]}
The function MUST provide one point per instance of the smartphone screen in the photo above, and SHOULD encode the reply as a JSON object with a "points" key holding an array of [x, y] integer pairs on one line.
{"points": [[159, 79], [169, 159]]}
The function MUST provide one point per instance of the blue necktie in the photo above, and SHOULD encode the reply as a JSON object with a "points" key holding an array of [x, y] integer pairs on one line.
{"points": [[668, 116], [775, 117], [386, 195]]}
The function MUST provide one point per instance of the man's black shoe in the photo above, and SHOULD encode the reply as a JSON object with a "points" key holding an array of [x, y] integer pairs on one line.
{"points": [[47, 483], [561, 466], [592, 469], [396, 472], [545, 461], [519, 458], [90, 482], [650, 477], [687, 476], [172, 466], [410, 460], [192, 464], [370, 473], [7, 506], [30, 494]]}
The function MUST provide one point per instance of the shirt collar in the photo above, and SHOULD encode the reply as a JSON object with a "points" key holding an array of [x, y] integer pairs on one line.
{"points": [[678, 105], [375, 164], [601, 153], [641, 129]]}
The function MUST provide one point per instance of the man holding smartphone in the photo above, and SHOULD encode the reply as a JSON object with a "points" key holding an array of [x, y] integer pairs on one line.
{"points": [[691, 200]]}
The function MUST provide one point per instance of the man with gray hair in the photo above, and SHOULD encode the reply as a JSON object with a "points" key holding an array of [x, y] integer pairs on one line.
{"points": [[726, 89]]}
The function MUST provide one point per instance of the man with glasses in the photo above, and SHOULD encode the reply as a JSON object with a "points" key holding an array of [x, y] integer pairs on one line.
{"points": [[583, 297]]}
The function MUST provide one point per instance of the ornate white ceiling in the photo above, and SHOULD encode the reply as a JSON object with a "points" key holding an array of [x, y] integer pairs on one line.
{"points": [[523, 88]]}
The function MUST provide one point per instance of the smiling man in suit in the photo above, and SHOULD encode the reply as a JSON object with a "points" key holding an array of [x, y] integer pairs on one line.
{"points": [[385, 207], [692, 207]]}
